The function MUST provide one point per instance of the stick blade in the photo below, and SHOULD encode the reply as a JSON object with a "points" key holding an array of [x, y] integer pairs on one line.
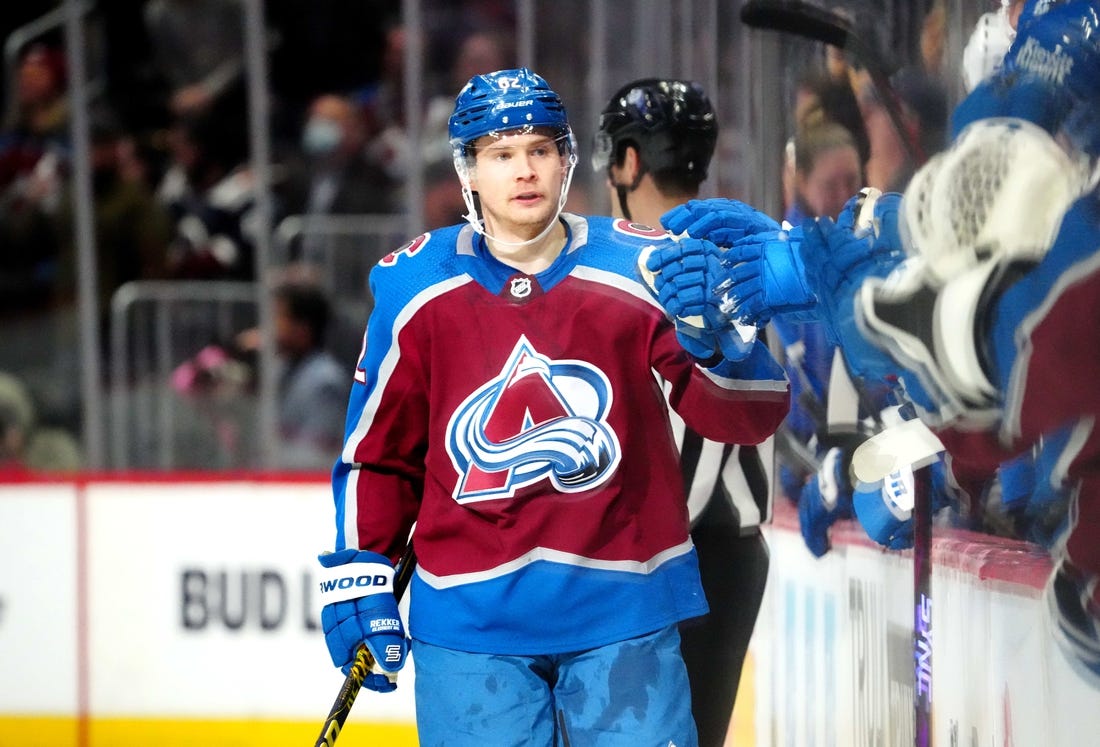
{"points": [[800, 18]]}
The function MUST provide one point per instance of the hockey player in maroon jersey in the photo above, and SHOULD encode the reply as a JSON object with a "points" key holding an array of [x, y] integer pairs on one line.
{"points": [[508, 402]]}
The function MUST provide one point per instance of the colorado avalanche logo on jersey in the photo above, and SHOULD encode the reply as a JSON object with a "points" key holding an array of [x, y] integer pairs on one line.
{"points": [[540, 419], [638, 229]]}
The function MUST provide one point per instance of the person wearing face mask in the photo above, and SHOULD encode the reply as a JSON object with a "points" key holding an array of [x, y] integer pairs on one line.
{"points": [[332, 174]]}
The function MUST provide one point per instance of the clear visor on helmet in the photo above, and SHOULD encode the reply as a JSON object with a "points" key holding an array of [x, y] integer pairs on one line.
{"points": [[602, 150], [464, 153]]}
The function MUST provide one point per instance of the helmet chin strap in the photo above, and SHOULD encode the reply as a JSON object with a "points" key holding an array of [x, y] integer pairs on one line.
{"points": [[622, 190], [478, 224]]}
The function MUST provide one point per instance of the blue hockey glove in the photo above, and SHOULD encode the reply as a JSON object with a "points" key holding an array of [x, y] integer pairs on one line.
{"points": [[791, 482], [719, 220], [1050, 76], [885, 508], [681, 276], [764, 277], [359, 607], [824, 499], [1073, 604], [837, 261], [874, 213]]}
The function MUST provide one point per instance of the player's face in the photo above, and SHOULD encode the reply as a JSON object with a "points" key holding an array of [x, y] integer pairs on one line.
{"points": [[518, 179]]}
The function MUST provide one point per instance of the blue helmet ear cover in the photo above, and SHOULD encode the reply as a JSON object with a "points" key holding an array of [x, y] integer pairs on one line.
{"points": [[502, 101]]}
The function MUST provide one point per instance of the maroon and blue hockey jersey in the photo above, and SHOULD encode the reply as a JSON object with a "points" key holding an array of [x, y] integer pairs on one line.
{"points": [[519, 421]]}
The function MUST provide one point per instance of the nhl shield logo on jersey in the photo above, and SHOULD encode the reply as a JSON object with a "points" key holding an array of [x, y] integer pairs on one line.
{"points": [[540, 419], [520, 287]]}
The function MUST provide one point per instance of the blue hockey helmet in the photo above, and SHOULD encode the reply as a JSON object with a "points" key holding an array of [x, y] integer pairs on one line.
{"points": [[508, 102], [504, 101]]}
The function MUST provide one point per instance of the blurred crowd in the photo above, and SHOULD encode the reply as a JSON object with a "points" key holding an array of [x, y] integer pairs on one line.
{"points": [[174, 193], [173, 189]]}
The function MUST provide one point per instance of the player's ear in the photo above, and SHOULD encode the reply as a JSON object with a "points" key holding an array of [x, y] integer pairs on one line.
{"points": [[632, 165]]}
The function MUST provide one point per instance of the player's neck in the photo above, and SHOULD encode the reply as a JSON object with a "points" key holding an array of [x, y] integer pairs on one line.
{"points": [[530, 258], [647, 204]]}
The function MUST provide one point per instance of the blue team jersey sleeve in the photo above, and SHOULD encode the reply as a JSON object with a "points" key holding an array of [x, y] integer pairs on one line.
{"points": [[734, 401], [378, 479]]}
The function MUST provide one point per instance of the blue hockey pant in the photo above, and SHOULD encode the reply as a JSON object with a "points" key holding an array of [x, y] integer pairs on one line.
{"points": [[633, 693]]}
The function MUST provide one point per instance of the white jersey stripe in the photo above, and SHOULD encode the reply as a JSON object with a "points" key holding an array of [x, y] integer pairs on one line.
{"points": [[644, 567]]}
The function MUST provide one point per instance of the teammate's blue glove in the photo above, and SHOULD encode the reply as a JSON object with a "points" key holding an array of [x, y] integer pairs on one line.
{"points": [[877, 214], [837, 260], [824, 499], [764, 277], [719, 220], [1050, 76], [1073, 603], [359, 607], [681, 275], [885, 508]]}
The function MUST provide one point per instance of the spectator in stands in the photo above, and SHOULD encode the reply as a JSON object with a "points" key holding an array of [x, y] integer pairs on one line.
{"points": [[16, 422], [443, 205], [898, 149], [922, 87], [334, 175], [34, 155], [132, 228], [197, 47], [209, 191], [25, 445], [323, 46], [820, 97], [827, 170], [480, 51], [383, 108], [313, 385], [15, 17]]}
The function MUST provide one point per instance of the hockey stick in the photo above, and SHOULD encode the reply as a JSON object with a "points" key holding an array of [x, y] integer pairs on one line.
{"points": [[363, 663], [911, 443], [832, 28], [922, 607]]}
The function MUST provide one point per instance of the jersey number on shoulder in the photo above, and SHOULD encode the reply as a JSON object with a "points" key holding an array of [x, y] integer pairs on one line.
{"points": [[409, 249]]}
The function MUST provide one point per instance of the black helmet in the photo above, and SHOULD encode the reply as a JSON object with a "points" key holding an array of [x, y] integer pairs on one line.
{"points": [[671, 122]]}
